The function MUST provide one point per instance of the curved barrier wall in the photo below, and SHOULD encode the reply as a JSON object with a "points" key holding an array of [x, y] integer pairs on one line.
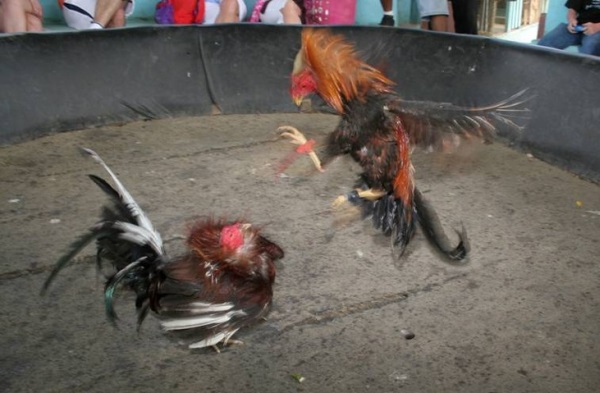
{"points": [[65, 81]]}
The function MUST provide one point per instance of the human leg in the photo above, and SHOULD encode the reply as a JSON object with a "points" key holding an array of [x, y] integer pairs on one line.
{"points": [[438, 22], [435, 12], [465, 16], [590, 44], [292, 14], [388, 13], [118, 19], [560, 38], [231, 11], [105, 10], [34, 15], [20, 16]]}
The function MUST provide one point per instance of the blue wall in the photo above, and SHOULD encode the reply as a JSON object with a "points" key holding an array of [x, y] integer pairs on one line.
{"points": [[557, 13]]}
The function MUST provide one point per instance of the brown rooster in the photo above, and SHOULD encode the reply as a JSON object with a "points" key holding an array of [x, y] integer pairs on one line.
{"points": [[222, 283], [379, 130]]}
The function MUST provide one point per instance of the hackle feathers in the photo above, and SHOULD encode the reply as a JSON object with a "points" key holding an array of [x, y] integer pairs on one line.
{"points": [[337, 69]]}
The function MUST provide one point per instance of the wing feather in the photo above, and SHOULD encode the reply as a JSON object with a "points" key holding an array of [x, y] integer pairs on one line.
{"points": [[435, 125]]}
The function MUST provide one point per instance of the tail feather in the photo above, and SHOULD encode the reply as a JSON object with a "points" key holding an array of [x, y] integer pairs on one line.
{"points": [[76, 247], [115, 280], [395, 219], [125, 197], [126, 239], [433, 231]]}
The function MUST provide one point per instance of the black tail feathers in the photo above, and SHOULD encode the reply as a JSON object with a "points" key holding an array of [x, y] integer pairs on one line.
{"points": [[389, 215], [125, 240], [396, 219], [434, 232]]}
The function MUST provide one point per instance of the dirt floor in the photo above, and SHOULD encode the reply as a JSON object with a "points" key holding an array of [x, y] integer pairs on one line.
{"points": [[521, 316]]}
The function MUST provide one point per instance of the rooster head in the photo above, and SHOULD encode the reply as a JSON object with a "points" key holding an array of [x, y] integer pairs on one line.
{"points": [[303, 82], [327, 64], [232, 237]]}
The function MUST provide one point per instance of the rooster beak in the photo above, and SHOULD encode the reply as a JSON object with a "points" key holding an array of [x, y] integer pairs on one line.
{"points": [[298, 100]]}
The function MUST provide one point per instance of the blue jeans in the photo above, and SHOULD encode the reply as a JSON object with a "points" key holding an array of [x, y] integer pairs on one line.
{"points": [[561, 38]]}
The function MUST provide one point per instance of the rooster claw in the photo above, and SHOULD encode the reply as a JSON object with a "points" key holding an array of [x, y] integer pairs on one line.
{"points": [[339, 202], [226, 344], [305, 145], [296, 137], [353, 197]]}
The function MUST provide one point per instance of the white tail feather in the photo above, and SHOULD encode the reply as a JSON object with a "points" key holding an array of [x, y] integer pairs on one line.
{"points": [[139, 215], [138, 235], [194, 322]]}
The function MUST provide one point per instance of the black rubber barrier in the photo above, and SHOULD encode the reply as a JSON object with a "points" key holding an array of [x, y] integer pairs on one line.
{"points": [[54, 82]]}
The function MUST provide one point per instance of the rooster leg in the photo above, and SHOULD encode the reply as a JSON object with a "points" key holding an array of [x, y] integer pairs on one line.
{"points": [[227, 343], [234, 342], [352, 197], [305, 145]]}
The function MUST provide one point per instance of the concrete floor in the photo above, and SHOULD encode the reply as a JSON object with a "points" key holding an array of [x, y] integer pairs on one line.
{"points": [[522, 316]]}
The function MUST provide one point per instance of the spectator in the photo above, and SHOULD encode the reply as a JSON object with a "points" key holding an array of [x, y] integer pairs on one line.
{"points": [[465, 16], [95, 14], [224, 11], [434, 14], [582, 28], [388, 13], [20, 16], [311, 12], [272, 11]]}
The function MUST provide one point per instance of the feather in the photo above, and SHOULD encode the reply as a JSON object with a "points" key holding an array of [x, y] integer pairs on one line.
{"points": [[136, 212], [205, 320], [76, 248], [338, 71], [222, 283], [434, 125], [111, 286]]}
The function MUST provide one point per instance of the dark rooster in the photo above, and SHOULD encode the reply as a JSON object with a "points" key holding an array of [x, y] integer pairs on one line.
{"points": [[222, 283], [379, 130]]}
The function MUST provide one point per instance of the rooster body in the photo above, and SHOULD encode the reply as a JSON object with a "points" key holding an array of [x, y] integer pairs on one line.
{"points": [[222, 283], [379, 130]]}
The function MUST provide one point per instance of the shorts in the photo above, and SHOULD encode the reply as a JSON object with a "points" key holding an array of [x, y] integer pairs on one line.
{"points": [[429, 8], [273, 13], [79, 14], [212, 7]]}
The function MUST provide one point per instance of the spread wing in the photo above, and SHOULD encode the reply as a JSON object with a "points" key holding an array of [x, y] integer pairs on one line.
{"points": [[439, 126]]}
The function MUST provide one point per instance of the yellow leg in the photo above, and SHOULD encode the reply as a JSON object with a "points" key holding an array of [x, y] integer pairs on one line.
{"points": [[297, 138], [370, 194]]}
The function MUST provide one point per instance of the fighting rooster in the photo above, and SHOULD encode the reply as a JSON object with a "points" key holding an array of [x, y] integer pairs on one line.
{"points": [[379, 130], [222, 283]]}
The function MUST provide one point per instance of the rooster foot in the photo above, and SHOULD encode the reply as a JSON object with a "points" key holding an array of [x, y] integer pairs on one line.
{"points": [[339, 202], [227, 343], [371, 194], [305, 145], [355, 196]]}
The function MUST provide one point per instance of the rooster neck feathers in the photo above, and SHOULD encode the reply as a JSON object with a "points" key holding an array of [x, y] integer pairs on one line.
{"points": [[339, 75]]}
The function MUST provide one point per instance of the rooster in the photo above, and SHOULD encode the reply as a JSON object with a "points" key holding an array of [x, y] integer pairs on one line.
{"points": [[222, 283], [379, 130]]}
